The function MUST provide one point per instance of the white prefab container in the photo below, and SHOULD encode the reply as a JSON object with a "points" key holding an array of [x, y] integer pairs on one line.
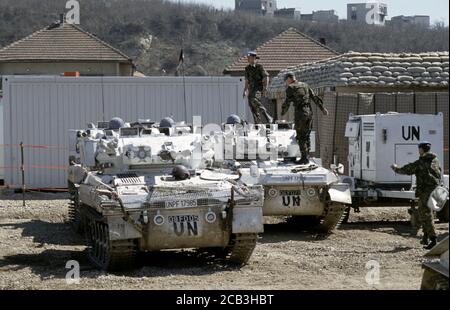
{"points": [[380, 140], [40, 110]]}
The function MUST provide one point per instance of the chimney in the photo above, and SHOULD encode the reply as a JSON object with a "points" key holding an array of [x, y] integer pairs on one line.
{"points": [[62, 18], [323, 41]]}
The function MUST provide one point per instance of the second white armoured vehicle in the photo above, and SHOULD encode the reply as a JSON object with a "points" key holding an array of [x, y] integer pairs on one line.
{"points": [[266, 155]]}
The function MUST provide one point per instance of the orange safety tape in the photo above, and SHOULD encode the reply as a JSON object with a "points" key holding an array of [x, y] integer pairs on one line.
{"points": [[44, 147], [37, 167], [48, 167], [31, 146], [13, 186]]}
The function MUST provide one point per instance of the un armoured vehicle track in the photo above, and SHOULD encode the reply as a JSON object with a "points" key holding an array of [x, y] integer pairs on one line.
{"points": [[36, 243]]}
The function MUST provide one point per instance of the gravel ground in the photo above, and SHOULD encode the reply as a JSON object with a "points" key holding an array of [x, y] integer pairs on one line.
{"points": [[35, 244]]}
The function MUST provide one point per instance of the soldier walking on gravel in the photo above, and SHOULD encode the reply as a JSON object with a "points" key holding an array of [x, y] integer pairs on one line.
{"points": [[428, 175], [301, 95], [256, 82]]}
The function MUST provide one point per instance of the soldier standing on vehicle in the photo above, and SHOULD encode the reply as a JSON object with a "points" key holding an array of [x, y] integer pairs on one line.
{"points": [[301, 95], [256, 82], [428, 175]]}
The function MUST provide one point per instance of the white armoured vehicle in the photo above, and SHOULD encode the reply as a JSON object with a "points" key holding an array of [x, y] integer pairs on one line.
{"points": [[148, 187], [266, 155]]}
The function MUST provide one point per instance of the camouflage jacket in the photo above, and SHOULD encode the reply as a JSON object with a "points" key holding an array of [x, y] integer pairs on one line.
{"points": [[427, 170], [301, 95], [255, 76]]}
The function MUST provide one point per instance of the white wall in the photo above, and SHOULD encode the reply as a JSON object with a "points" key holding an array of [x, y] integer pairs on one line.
{"points": [[43, 109]]}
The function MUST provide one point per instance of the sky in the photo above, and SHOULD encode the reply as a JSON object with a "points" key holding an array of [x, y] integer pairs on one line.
{"points": [[437, 9]]}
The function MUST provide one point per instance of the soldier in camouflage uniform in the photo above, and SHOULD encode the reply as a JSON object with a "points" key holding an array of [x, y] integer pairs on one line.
{"points": [[256, 82], [301, 95], [428, 175]]}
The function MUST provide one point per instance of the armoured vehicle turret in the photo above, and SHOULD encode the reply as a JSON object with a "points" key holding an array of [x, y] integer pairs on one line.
{"points": [[150, 186], [266, 155]]}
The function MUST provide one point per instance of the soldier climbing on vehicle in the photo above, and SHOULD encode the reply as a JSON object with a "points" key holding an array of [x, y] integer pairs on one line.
{"points": [[301, 95]]}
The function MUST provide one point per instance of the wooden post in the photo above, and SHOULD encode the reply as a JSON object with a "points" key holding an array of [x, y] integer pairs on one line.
{"points": [[22, 170]]}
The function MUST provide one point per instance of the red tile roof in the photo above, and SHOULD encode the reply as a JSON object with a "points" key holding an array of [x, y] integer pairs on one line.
{"points": [[64, 42], [289, 48]]}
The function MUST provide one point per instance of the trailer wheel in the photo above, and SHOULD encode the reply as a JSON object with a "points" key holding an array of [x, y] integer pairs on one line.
{"points": [[433, 281], [443, 214]]}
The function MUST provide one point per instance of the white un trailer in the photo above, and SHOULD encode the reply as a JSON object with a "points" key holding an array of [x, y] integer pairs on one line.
{"points": [[379, 140]]}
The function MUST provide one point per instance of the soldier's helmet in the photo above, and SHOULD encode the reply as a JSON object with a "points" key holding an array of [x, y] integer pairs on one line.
{"points": [[425, 145], [116, 123], [253, 54], [289, 75], [167, 122], [233, 119], [180, 173]]}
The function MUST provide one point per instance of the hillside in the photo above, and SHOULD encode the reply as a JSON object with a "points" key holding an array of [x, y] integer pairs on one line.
{"points": [[153, 32]]}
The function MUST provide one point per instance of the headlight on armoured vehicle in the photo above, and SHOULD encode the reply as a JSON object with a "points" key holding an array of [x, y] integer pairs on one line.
{"points": [[158, 220], [130, 153], [142, 154], [210, 217]]}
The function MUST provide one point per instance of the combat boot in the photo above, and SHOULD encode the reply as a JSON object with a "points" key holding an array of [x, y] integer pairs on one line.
{"points": [[303, 161], [424, 240], [432, 243]]}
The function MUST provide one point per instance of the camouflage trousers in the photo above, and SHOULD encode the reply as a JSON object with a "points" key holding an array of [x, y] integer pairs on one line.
{"points": [[303, 127], [426, 216], [258, 110]]}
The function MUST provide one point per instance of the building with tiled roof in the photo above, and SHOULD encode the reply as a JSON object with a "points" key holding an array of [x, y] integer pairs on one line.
{"points": [[63, 47], [289, 48], [372, 72]]}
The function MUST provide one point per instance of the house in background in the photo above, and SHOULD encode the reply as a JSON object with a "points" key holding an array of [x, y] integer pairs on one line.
{"points": [[290, 13], [325, 16], [288, 49], [259, 7], [419, 20], [367, 13], [63, 47]]}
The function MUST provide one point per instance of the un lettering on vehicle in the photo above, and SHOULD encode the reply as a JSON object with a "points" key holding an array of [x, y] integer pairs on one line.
{"points": [[291, 198], [185, 225]]}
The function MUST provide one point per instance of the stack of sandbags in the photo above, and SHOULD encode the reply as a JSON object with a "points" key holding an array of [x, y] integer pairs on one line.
{"points": [[355, 69]]}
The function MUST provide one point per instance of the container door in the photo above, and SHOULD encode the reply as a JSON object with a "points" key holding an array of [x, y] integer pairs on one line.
{"points": [[405, 154]]}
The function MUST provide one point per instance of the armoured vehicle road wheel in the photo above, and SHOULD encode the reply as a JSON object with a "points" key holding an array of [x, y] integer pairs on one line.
{"points": [[241, 248], [108, 254], [433, 280], [75, 219], [238, 252], [334, 215]]}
